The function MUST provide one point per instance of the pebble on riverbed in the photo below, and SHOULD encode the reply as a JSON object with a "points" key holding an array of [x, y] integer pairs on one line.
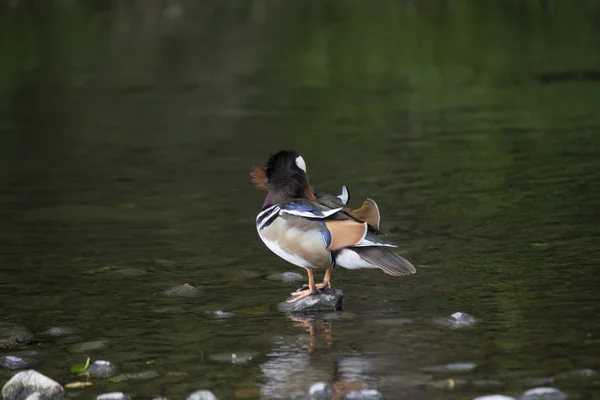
{"points": [[16, 362], [113, 396], [14, 335], [367, 394], [102, 369], [31, 381], [88, 346], [185, 290], [543, 393], [286, 277], [57, 332], [457, 320], [202, 395], [326, 301]]}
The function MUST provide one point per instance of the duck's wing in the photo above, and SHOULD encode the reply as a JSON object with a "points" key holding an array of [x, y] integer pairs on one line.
{"points": [[342, 229], [368, 212]]}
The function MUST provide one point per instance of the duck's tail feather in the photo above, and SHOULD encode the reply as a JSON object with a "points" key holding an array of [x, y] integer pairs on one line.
{"points": [[374, 257]]}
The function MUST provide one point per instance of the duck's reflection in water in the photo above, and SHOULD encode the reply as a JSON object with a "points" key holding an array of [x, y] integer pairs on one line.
{"points": [[300, 360]]}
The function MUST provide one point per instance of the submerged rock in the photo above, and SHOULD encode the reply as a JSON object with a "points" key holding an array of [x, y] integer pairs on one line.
{"points": [[320, 391], [88, 346], [577, 374], [367, 394], [202, 395], [113, 396], [286, 277], [14, 335], [185, 290], [326, 301], [543, 393], [494, 397], [16, 362], [455, 367], [102, 369], [25, 383], [57, 331], [137, 376], [234, 358], [457, 320], [220, 314]]}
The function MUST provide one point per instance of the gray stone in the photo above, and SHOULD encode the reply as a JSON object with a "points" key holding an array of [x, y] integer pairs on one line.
{"points": [[14, 362], [320, 391], [326, 301], [88, 346], [286, 277], [57, 331], [543, 393], [457, 320], [102, 369], [220, 314], [368, 394], [578, 374], [113, 396], [25, 383], [13, 335], [34, 396], [455, 367], [185, 290], [202, 395], [234, 358], [494, 397]]}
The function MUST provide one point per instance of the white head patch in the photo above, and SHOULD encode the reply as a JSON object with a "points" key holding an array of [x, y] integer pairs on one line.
{"points": [[300, 163]]}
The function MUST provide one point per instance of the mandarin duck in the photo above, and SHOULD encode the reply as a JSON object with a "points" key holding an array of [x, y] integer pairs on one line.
{"points": [[317, 230]]}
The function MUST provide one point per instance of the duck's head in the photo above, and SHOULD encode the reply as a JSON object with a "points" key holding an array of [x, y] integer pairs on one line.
{"points": [[283, 177]]}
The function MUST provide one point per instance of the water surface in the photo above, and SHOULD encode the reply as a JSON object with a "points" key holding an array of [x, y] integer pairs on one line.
{"points": [[126, 140]]}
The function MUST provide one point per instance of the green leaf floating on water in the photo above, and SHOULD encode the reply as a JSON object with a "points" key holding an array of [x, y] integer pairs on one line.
{"points": [[80, 368]]}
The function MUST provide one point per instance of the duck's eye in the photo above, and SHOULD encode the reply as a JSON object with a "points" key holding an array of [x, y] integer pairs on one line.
{"points": [[300, 163]]}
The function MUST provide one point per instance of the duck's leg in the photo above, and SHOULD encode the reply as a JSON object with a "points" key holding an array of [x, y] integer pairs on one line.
{"points": [[312, 288], [326, 280], [325, 285]]}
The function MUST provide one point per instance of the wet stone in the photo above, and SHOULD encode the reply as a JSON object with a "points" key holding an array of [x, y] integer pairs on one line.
{"points": [[457, 320], [14, 335], [28, 382], [234, 358], [220, 314], [113, 396], [185, 290], [57, 331], [494, 397], [326, 301], [88, 346], [538, 381], [320, 391], [16, 362], [202, 395], [543, 393], [35, 396], [286, 277], [136, 376], [450, 368], [578, 374], [102, 369], [369, 394]]}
